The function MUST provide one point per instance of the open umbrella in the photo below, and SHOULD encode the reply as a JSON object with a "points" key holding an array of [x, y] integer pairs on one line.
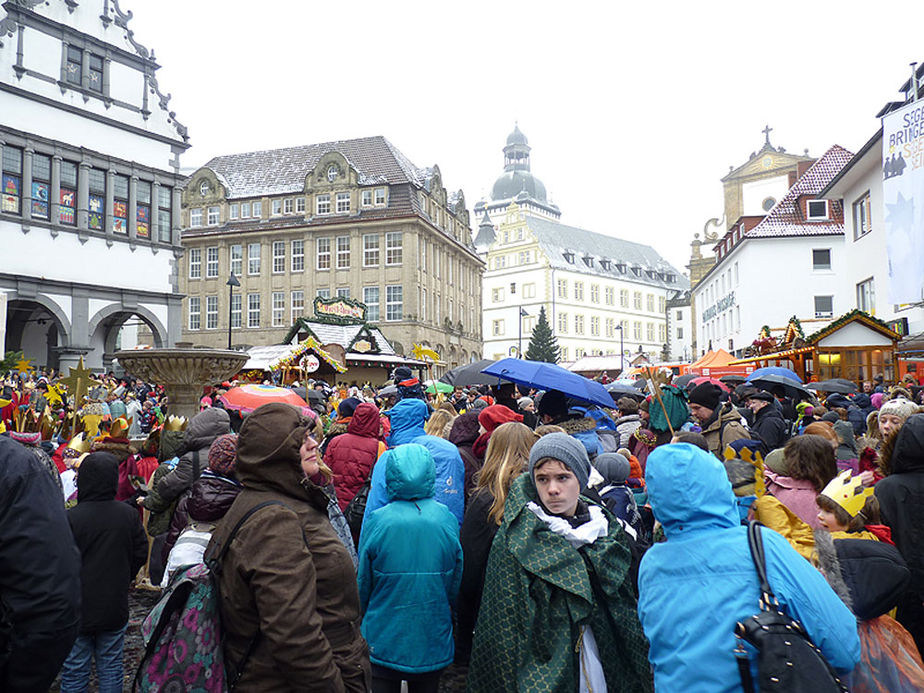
{"points": [[841, 385], [681, 381], [469, 374], [246, 398], [790, 387], [621, 389], [388, 391], [732, 379], [548, 376], [774, 370], [434, 386], [706, 379]]}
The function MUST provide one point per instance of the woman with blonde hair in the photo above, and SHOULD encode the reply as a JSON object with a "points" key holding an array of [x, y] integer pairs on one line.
{"points": [[506, 458], [439, 424]]}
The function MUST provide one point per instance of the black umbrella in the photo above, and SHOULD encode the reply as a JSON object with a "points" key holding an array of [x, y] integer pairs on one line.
{"points": [[790, 387], [682, 381], [470, 374], [388, 391], [841, 385], [621, 389], [732, 379]]}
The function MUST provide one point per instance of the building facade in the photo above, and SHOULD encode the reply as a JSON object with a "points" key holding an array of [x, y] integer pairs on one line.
{"points": [[750, 190], [771, 268], [858, 189], [90, 172], [601, 294], [353, 218]]}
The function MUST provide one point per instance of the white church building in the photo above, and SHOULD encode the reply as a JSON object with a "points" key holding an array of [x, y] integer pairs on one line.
{"points": [[89, 205]]}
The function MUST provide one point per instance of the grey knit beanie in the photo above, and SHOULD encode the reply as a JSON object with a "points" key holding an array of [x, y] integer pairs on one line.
{"points": [[900, 407], [567, 450], [613, 467]]}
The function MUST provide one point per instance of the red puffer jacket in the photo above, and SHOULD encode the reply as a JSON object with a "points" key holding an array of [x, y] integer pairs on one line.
{"points": [[352, 455]]}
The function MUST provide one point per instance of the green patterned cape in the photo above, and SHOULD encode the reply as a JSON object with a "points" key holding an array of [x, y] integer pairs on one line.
{"points": [[538, 594]]}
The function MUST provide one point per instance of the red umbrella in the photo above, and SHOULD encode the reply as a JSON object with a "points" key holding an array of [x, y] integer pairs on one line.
{"points": [[246, 398], [706, 379]]}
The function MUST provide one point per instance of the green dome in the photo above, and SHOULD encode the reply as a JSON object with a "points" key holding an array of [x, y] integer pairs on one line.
{"points": [[512, 183]]}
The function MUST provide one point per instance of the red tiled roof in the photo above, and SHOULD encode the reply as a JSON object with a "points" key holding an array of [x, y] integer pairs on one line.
{"points": [[787, 219]]}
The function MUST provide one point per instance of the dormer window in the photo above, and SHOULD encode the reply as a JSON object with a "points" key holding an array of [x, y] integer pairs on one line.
{"points": [[605, 264], [817, 210], [588, 260], [569, 257], [621, 267], [671, 278], [636, 270]]}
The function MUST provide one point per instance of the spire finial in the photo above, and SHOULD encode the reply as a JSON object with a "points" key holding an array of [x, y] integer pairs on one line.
{"points": [[767, 130]]}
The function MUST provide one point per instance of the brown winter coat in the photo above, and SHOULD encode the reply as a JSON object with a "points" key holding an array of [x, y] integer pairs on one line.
{"points": [[717, 437], [286, 571]]}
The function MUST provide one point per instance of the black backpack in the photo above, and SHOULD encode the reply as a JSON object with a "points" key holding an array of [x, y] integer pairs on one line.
{"points": [[356, 509], [787, 659]]}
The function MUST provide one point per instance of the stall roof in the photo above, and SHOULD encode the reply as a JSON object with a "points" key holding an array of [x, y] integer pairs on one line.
{"points": [[775, 355]]}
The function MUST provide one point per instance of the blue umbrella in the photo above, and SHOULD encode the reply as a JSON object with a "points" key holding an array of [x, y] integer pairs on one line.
{"points": [[548, 376], [775, 370]]}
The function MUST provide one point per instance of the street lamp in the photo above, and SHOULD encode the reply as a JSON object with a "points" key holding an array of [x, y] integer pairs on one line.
{"points": [[622, 352], [231, 283], [523, 314]]}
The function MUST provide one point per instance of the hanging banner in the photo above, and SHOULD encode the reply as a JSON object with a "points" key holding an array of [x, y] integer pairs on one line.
{"points": [[903, 200]]}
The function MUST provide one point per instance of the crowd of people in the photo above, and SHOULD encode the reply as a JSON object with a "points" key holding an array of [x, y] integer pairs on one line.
{"points": [[533, 541]]}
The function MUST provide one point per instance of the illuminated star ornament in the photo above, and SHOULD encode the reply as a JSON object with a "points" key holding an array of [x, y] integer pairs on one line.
{"points": [[901, 213]]}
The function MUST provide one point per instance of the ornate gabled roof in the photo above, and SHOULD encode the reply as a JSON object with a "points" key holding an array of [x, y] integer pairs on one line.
{"points": [[787, 219], [855, 315], [579, 250], [280, 171]]}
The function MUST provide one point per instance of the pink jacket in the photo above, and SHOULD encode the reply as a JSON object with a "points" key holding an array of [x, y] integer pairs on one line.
{"points": [[796, 494]]}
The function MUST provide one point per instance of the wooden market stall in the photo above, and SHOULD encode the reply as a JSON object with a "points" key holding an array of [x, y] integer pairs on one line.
{"points": [[856, 346], [337, 345]]}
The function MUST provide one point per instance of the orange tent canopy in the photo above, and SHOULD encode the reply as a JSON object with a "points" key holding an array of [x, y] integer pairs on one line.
{"points": [[715, 363]]}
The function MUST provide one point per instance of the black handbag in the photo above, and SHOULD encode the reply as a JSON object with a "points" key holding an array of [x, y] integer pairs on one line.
{"points": [[787, 659], [356, 508]]}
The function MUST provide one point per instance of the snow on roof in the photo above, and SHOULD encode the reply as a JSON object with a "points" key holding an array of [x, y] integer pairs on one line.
{"points": [[787, 219], [579, 250], [283, 171]]}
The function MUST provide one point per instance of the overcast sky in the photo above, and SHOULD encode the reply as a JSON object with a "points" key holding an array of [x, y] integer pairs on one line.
{"points": [[634, 111]]}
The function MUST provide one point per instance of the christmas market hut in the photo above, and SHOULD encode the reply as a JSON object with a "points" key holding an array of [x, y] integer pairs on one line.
{"points": [[337, 345], [856, 346]]}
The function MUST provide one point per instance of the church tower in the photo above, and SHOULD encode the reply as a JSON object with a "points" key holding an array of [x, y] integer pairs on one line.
{"points": [[517, 184]]}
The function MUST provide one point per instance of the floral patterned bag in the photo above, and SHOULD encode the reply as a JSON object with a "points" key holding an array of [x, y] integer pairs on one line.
{"points": [[182, 633]]}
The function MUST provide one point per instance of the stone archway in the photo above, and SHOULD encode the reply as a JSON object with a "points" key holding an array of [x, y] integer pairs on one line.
{"points": [[38, 327], [105, 326]]}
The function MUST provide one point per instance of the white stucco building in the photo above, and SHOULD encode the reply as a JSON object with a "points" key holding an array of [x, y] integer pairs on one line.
{"points": [[89, 210], [771, 268], [600, 293], [864, 278]]}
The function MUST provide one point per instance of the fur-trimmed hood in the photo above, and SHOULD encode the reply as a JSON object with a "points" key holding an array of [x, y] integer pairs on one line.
{"points": [[580, 424], [869, 576]]}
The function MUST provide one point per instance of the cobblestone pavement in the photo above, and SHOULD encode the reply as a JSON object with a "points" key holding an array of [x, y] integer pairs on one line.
{"points": [[140, 603]]}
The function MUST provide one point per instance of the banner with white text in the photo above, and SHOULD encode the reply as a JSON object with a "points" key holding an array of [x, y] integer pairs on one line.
{"points": [[903, 200]]}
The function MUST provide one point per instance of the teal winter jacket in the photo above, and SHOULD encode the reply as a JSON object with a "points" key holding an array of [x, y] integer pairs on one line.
{"points": [[695, 586], [410, 568]]}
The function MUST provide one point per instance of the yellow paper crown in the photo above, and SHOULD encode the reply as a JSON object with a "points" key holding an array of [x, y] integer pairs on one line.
{"points": [[848, 492], [79, 443], [175, 423]]}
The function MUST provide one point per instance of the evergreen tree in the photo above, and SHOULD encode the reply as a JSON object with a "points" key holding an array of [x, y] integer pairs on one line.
{"points": [[543, 345]]}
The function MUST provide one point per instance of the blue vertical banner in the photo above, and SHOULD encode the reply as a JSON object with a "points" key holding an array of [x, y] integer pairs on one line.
{"points": [[903, 200]]}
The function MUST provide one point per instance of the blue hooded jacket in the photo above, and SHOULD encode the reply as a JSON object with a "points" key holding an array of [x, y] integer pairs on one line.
{"points": [[694, 587], [407, 421], [450, 476], [410, 568]]}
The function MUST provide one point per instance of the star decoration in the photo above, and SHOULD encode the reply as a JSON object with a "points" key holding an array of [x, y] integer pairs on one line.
{"points": [[901, 213], [24, 365]]}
